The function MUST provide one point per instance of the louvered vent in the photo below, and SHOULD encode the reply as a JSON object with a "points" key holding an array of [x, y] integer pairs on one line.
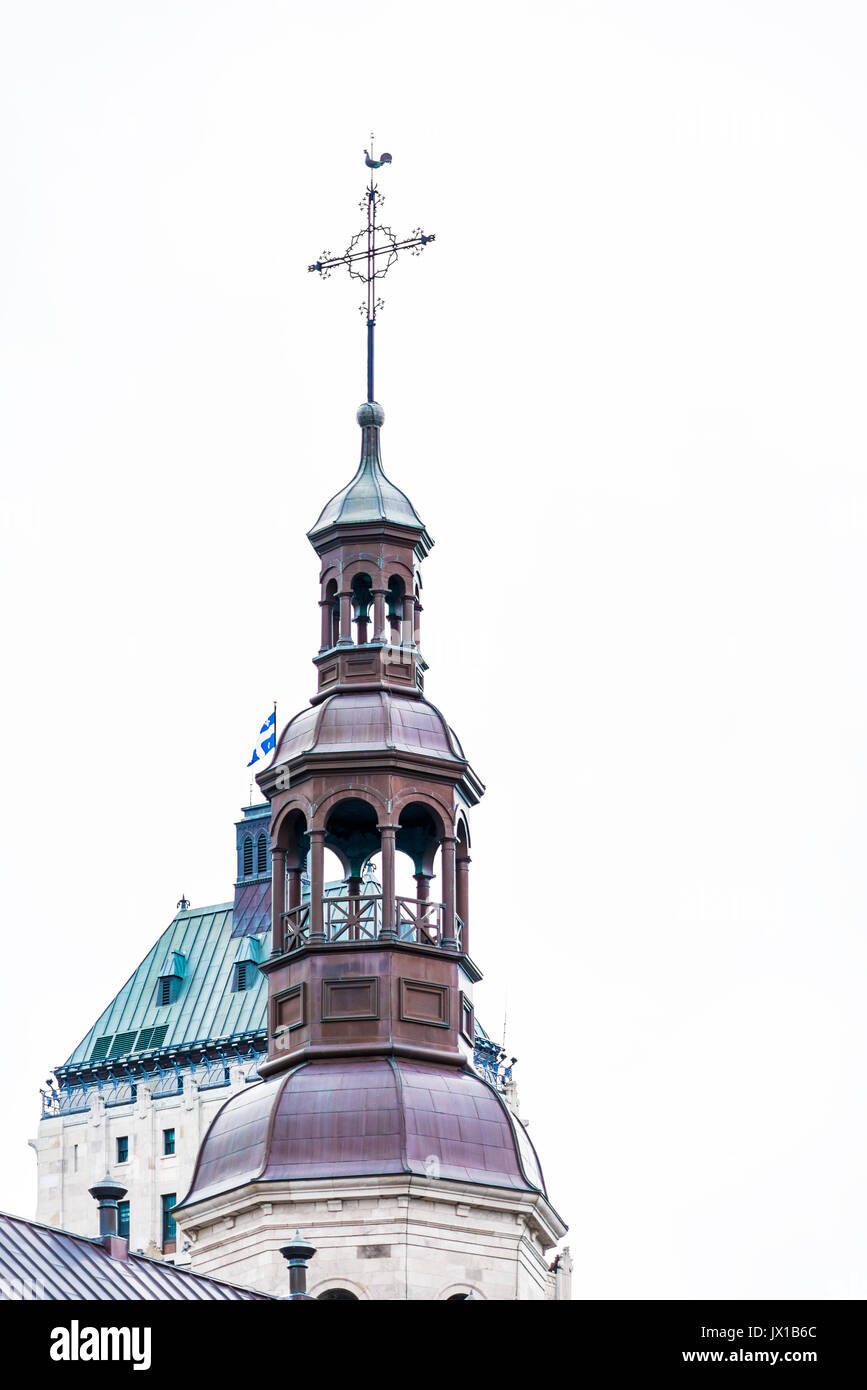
{"points": [[100, 1048], [122, 1043], [244, 976], [261, 855], [248, 857], [168, 989], [151, 1037]]}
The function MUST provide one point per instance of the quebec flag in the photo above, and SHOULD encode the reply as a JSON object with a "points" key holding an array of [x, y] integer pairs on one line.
{"points": [[267, 738]]}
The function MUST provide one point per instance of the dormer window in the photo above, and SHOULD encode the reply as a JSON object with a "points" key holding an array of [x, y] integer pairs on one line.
{"points": [[171, 980], [245, 968]]}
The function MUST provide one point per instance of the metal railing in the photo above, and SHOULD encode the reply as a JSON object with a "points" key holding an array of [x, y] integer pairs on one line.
{"points": [[417, 922], [208, 1075]]}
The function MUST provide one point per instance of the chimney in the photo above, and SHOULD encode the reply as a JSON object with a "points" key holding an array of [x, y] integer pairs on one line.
{"points": [[107, 1194], [296, 1254]]}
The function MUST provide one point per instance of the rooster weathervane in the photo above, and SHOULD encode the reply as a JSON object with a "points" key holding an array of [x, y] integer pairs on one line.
{"points": [[368, 259]]}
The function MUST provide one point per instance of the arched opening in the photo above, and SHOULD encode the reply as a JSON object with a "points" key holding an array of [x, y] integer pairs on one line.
{"points": [[343, 1296], [261, 855], [395, 597], [352, 835], [420, 910], [362, 600], [331, 615], [288, 871], [247, 857]]}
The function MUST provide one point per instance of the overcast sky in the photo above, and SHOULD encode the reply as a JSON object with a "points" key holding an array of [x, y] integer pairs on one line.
{"points": [[624, 389]]}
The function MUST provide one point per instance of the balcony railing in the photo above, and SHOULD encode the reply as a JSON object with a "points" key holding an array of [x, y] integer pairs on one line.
{"points": [[417, 922], [351, 919]]}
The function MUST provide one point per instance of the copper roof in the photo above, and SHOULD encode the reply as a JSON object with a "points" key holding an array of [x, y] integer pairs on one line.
{"points": [[366, 722], [206, 1008], [44, 1263], [368, 1116], [370, 496]]}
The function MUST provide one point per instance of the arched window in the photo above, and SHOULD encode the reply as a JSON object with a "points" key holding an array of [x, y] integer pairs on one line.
{"points": [[248, 857], [343, 1295], [261, 855], [362, 598]]}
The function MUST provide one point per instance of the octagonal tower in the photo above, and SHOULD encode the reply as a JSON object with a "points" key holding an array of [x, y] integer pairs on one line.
{"points": [[371, 1131]]}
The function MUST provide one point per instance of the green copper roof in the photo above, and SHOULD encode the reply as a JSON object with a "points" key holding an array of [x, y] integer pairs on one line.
{"points": [[204, 1006], [370, 496]]}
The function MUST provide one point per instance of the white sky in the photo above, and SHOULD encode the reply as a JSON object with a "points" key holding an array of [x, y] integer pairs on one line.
{"points": [[625, 391]]}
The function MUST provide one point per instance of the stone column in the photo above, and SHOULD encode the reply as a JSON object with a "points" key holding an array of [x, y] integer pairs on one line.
{"points": [[463, 898], [317, 884], [408, 633], [294, 888], [278, 900], [416, 623], [449, 942], [353, 884], [388, 931], [379, 615], [325, 605], [345, 638]]}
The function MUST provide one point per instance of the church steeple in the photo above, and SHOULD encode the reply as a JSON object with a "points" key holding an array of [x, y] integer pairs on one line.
{"points": [[372, 769], [369, 1082]]}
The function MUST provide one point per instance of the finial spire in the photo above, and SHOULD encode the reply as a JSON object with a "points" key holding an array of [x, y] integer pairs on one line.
{"points": [[371, 253]]}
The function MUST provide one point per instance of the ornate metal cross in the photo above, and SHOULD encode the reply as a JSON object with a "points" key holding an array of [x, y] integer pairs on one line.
{"points": [[369, 260]]}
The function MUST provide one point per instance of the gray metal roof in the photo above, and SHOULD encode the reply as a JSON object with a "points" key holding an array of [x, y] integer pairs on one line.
{"points": [[44, 1263], [205, 1008], [370, 496]]}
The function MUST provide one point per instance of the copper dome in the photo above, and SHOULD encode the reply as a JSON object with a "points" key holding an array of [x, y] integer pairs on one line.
{"points": [[367, 722], [370, 496], [365, 1117]]}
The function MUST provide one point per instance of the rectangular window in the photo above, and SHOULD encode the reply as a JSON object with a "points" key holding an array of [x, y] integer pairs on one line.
{"points": [[123, 1219], [168, 1141], [123, 1149], [168, 1201]]}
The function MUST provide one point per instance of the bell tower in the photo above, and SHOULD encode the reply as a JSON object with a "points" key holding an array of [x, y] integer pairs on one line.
{"points": [[371, 1130], [372, 768]]}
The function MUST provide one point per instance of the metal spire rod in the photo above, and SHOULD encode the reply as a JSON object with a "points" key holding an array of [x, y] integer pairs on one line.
{"points": [[361, 255]]}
